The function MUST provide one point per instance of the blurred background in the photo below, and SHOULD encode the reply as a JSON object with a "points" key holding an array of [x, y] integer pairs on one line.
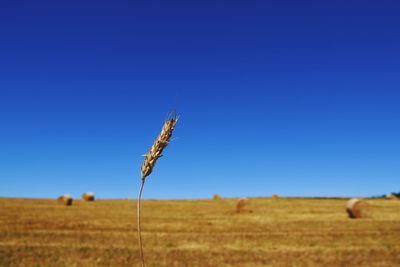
{"points": [[298, 99]]}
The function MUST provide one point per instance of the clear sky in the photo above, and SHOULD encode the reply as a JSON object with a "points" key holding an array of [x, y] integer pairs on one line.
{"points": [[294, 98]]}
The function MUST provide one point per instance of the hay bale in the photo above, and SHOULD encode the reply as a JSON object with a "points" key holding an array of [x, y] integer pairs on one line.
{"points": [[217, 197], [242, 204], [356, 208], [65, 199], [391, 196], [88, 196], [274, 196]]}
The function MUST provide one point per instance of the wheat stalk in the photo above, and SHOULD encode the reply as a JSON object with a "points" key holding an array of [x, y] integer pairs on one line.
{"points": [[149, 162]]}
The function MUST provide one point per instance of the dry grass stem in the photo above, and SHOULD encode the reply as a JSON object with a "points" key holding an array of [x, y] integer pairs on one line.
{"points": [[152, 156]]}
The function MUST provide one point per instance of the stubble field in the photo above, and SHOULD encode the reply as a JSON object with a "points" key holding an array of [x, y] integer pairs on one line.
{"points": [[281, 232]]}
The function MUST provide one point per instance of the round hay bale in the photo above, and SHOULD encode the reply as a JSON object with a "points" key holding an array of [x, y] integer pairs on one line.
{"points": [[274, 196], [88, 196], [217, 197], [241, 205], [356, 208], [65, 199], [391, 196]]}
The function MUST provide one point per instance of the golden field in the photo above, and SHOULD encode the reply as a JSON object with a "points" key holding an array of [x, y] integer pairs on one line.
{"points": [[278, 232]]}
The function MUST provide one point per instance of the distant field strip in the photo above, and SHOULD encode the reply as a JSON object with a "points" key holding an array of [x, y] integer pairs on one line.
{"points": [[278, 232]]}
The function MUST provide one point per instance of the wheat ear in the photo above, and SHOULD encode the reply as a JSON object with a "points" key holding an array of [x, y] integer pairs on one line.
{"points": [[149, 162]]}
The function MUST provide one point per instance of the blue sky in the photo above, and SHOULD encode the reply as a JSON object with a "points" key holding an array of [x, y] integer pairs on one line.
{"points": [[295, 98]]}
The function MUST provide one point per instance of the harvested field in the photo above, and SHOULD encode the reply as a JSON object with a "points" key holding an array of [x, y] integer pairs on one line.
{"points": [[288, 232]]}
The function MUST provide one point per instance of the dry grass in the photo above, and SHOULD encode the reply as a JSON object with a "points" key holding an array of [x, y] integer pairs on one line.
{"points": [[242, 205], [65, 199], [88, 196], [158, 146], [391, 196], [288, 232], [274, 196], [357, 208], [149, 162], [217, 197]]}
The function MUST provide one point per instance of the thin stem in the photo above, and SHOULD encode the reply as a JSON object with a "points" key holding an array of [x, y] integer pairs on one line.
{"points": [[138, 224]]}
